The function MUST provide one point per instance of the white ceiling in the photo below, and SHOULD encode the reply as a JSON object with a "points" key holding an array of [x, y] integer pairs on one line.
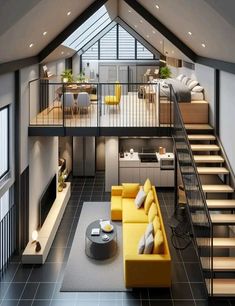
{"points": [[210, 21], [29, 25], [206, 23]]}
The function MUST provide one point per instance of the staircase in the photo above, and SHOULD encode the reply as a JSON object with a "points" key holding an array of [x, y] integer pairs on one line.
{"points": [[217, 255]]}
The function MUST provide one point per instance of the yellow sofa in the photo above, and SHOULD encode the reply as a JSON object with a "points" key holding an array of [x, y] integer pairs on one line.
{"points": [[140, 270]]}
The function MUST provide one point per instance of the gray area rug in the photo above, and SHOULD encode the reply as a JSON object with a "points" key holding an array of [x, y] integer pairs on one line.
{"points": [[85, 274]]}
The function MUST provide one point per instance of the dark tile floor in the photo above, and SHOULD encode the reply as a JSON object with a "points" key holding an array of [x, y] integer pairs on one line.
{"points": [[40, 285]]}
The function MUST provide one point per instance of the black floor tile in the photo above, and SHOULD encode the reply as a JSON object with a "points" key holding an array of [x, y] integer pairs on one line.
{"points": [[41, 303], [10, 302], [25, 303], [178, 273], [14, 291], [181, 291], [160, 294], [199, 291], [3, 289], [29, 291], [161, 303], [23, 273], [194, 272], [45, 291], [45, 273]]}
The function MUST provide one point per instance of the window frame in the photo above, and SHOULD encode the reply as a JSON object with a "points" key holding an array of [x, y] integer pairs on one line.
{"points": [[7, 107]]}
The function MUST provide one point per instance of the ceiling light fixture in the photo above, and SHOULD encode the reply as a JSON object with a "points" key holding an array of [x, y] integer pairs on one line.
{"points": [[203, 45], [62, 53], [157, 6], [44, 33], [172, 51], [141, 21], [190, 33], [154, 32], [129, 11], [161, 42], [147, 36], [31, 45], [69, 13], [136, 26]]}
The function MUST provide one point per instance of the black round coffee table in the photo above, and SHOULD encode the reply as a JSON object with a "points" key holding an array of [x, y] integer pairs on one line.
{"points": [[96, 247]]}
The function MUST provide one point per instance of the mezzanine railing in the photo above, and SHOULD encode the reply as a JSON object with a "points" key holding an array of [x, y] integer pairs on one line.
{"points": [[94, 104]]}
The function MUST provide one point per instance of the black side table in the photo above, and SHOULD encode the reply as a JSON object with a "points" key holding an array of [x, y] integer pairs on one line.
{"points": [[96, 247]]}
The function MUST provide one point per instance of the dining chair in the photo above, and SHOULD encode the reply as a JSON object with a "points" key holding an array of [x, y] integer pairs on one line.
{"points": [[83, 101], [69, 102]]}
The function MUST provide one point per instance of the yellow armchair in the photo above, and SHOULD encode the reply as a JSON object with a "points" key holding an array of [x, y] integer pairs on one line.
{"points": [[114, 100]]}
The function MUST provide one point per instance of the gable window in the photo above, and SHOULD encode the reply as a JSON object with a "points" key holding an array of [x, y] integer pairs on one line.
{"points": [[4, 141]]}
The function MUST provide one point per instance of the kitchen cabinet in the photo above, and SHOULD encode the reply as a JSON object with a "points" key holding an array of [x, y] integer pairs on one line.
{"points": [[132, 170]]}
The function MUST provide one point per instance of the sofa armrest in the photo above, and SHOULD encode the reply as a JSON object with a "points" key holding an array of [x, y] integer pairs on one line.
{"points": [[116, 191], [151, 270]]}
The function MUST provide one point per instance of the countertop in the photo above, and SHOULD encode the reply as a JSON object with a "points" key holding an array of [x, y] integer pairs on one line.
{"points": [[135, 156]]}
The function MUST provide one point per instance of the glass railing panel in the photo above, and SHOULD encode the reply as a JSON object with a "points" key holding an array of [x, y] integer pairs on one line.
{"points": [[197, 207]]}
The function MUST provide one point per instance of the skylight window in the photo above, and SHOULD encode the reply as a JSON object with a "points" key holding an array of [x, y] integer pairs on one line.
{"points": [[88, 30]]}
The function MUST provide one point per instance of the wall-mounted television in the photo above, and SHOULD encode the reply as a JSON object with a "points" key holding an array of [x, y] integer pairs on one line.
{"points": [[47, 199]]}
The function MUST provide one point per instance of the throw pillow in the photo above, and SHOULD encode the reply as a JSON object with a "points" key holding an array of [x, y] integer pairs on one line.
{"points": [[158, 246], [130, 190], [141, 196], [156, 224], [152, 212], [185, 80], [180, 77], [198, 89], [148, 201], [147, 186], [149, 245], [192, 84], [149, 230], [141, 245]]}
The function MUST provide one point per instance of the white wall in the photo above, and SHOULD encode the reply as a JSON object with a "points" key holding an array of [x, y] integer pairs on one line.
{"points": [[66, 151], [227, 115], [206, 77], [56, 67], [7, 97], [111, 162], [43, 165], [27, 74], [76, 64]]}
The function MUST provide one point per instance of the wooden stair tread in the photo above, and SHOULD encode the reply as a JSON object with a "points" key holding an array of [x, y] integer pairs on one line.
{"points": [[217, 188], [201, 137], [212, 170], [201, 219], [198, 127], [217, 242], [221, 204], [204, 147], [208, 159], [221, 287], [219, 263]]}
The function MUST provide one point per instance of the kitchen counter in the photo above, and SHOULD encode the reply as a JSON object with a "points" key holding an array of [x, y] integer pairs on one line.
{"points": [[160, 173]]}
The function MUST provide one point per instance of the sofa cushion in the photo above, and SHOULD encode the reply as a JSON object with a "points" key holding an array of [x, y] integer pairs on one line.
{"points": [[180, 77], [148, 201], [148, 231], [131, 214], [152, 212], [156, 224], [198, 88], [149, 242], [147, 186], [139, 200], [141, 245], [158, 247], [130, 190], [116, 208], [132, 232], [191, 84]]}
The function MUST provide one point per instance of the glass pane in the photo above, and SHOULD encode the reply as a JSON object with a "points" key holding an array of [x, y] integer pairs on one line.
{"points": [[126, 45], [3, 141], [4, 205], [108, 45], [142, 52]]}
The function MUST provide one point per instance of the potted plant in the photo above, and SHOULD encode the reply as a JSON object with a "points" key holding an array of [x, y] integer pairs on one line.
{"points": [[165, 72], [67, 76], [81, 78]]}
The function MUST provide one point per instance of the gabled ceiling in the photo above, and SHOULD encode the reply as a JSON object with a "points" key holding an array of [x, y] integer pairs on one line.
{"points": [[211, 22]]}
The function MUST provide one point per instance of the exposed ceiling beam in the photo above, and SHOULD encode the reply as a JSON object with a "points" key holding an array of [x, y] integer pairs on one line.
{"points": [[18, 64], [145, 14], [216, 64], [71, 28]]}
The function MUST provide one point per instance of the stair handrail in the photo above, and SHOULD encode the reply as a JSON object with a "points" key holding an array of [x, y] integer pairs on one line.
{"points": [[174, 99]]}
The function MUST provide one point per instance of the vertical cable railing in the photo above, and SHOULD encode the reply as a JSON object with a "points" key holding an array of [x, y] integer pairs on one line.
{"points": [[196, 202], [7, 237], [94, 104]]}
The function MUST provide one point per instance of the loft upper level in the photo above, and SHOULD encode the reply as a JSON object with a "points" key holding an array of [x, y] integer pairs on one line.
{"points": [[97, 109]]}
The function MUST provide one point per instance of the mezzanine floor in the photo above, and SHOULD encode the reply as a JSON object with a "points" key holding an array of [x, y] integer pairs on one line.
{"points": [[40, 285], [131, 112]]}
